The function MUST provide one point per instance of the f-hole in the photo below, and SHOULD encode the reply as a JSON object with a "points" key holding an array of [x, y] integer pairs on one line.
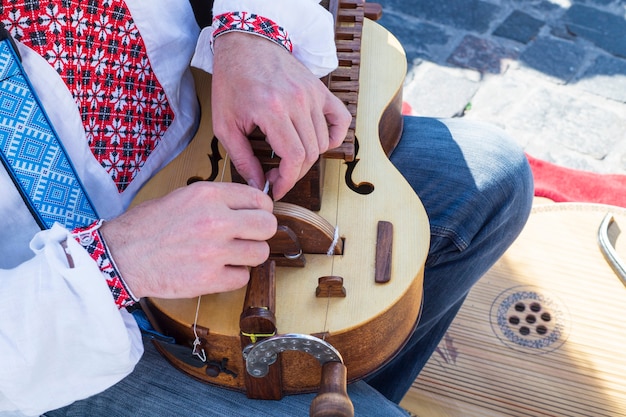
{"points": [[214, 158], [363, 188]]}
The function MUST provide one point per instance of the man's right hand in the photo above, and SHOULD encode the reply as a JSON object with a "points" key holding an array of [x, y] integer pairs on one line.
{"points": [[199, 239], [257, 83]]}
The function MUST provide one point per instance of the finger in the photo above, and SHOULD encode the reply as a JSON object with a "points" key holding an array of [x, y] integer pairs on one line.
{"points": [[242, 197], [242, 156], [253, 225], [230, 278], [309, 128], [321, 132], [234, 195], [287, 144], [248, 253], [338, 118]]}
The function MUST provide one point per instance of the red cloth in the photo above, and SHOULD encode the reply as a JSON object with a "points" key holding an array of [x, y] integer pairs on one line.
{"points": [[569, 185]]}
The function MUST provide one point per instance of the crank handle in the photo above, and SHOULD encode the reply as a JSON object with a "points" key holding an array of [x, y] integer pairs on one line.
{"points": [[332, 400], [608, 250]]}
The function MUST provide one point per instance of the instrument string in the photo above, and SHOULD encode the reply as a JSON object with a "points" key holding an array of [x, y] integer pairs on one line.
{"points": [[200, 353], [331, 252]]}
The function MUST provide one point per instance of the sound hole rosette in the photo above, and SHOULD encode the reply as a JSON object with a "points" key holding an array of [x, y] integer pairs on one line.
{"points": [[527, 319]]}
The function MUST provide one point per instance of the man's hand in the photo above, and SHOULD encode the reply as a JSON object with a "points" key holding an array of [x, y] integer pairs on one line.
{"points": [[258, 83], [199, 239]]}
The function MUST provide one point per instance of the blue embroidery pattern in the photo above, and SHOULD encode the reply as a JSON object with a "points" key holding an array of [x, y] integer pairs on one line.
{"points": [[32, 153]]}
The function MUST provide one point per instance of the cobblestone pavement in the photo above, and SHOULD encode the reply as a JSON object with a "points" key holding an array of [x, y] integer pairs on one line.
{"points": [[550, 72]]}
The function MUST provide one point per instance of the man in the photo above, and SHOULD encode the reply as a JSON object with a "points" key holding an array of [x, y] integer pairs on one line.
{"points": [[113, 78]]}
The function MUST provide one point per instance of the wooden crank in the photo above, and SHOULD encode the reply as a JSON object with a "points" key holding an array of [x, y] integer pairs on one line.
{"points": [[342, 290]]}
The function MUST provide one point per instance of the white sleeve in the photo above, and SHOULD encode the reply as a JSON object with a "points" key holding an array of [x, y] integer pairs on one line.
{"points": [[309, 26], [61, 336]]}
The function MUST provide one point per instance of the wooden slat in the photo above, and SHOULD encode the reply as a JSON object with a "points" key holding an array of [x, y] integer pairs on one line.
{"points": [[349, 16], [479, 370]]}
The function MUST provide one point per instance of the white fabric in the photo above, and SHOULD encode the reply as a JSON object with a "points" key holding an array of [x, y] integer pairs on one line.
{"points": [[61, 335], [16, 234], [309, 25]]}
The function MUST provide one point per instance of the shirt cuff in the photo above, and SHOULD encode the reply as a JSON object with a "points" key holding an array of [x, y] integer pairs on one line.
{"points": [[302, 25], [92, 241]]}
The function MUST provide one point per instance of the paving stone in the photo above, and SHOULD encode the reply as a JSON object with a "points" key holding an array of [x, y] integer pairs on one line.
{"points": [[566, 158], [562, 100], [545, 5], [419, 39], [617, 158], [541, 9], [436, 92], [560, 31], [482, 55], [520, 27], [606, 30], [606, 78], [556, 59], [598, 2], [548, 118], [499, 99], [472, 15]]}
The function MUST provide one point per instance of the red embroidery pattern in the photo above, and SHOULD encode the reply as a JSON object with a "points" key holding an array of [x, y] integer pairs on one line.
{"points": [[249, 22], [96, 48], [89, 237]]}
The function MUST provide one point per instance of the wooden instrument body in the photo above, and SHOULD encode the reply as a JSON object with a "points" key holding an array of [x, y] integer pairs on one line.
{"points": [[487, 366], [373, 321]]}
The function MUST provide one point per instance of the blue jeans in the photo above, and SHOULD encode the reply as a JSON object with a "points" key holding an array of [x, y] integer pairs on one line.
{"points": [[477, 189]]}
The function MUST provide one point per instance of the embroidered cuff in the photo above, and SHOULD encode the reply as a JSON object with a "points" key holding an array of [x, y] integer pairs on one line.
{"points": [[90, 238], [250, 23], [307, 27]]}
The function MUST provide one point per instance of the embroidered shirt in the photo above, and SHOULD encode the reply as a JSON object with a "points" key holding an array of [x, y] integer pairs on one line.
{"points": [[97, 49]]}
